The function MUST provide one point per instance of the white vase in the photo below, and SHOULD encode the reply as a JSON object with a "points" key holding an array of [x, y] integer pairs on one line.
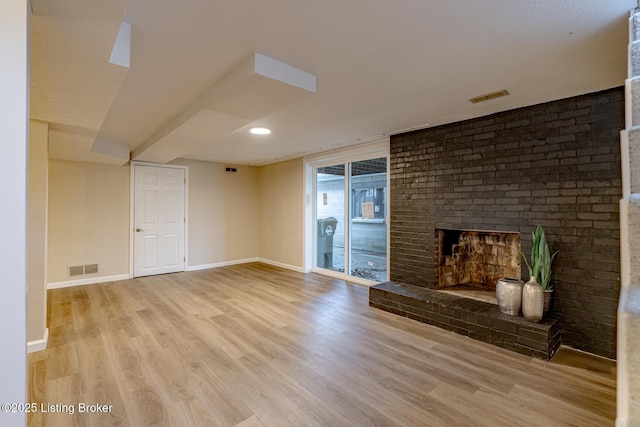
{"points": [[532, 300], [509, 296]]}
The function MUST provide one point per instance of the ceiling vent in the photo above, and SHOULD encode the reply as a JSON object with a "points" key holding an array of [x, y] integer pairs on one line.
{"points": [[488, 96]]}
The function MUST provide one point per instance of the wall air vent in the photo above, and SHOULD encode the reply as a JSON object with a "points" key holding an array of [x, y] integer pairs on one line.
{"points": [[91, 269], [76, 270], [82, 270], [488, 96]]}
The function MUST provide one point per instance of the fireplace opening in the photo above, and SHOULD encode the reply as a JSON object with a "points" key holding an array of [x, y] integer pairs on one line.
{"points": [[450, 239], [474, 260]]}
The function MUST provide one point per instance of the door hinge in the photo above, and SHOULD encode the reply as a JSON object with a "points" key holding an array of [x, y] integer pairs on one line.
{"points": [[184, 259], [184, 219]]}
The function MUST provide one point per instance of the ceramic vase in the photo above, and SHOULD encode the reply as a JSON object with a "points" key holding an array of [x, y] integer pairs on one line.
{"points": [[532, 300], [509, 296]]}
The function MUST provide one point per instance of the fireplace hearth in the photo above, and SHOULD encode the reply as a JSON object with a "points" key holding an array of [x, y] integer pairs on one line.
{"points": [[476, 319], [468, 264]]}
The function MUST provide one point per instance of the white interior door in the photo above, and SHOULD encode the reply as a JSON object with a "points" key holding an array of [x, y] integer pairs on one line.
{"points": [[159, 220]]}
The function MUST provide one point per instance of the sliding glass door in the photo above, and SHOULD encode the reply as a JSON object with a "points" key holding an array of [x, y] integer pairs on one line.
{"points": [[330, 205], [367, 219], [351, 218]]}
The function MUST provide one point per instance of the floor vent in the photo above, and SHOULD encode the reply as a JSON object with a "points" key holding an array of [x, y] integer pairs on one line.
{"points": [[82, 270]]}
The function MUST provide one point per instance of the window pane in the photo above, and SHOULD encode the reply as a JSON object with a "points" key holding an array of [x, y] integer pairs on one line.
{"points": [[330, 209], [368, 228]]}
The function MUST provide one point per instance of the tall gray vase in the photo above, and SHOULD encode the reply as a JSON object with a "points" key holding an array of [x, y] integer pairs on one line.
{"points": [[532, 300]]}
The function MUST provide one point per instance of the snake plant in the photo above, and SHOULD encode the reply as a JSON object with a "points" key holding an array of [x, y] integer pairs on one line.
{"points": [[541, 259]]}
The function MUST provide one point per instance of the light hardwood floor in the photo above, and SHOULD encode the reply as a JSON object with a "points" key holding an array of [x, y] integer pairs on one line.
{"points": [[257, 346]]}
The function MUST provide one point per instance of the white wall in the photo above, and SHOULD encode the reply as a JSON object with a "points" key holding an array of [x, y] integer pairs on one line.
{"points": [[14, 113], [281, 201], [88, 219], [223, 213], [37, 234]]}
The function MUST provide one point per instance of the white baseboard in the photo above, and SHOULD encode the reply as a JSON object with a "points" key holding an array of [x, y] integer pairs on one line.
{"points": [[221, 264], [245, 261], [586, 353], [343, 276], [38, 345], [89, 281], [281, 265]]}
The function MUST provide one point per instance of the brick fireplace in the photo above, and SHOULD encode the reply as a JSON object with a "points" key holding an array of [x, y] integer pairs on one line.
{"points": [[555, 164]]}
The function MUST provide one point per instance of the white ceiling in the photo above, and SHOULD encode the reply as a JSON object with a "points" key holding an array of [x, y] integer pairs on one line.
{"points": [[380, 65]]}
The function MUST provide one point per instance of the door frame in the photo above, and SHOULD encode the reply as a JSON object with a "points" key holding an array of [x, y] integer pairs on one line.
{"points": [[132, 180], [373, 149]]}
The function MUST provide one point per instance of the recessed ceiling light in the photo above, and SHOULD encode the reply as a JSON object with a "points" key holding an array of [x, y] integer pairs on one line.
{"points": [[260, 131]]}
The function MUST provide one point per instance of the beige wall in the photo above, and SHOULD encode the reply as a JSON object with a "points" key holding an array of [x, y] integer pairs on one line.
{"points": [[88, 218], [223, 213], [281, 200], [37, 231]]}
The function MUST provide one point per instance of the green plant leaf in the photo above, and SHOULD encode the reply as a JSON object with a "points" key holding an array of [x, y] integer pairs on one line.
{"points": [[541, 259], [534, 251], [546, 267], [528, 266], [539, 262]]}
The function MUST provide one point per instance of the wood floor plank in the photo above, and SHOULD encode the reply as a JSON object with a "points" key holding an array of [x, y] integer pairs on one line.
{"points": [[253, 421], [463, 408], [588, 413], [259, 346], [521, 413]]}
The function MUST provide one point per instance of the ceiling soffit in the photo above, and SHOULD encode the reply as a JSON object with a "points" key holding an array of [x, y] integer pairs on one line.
{"points": [[255, 88], [73, 82]]}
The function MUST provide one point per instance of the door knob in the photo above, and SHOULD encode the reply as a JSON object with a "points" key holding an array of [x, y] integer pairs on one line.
{"points": [[138, 230]]}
